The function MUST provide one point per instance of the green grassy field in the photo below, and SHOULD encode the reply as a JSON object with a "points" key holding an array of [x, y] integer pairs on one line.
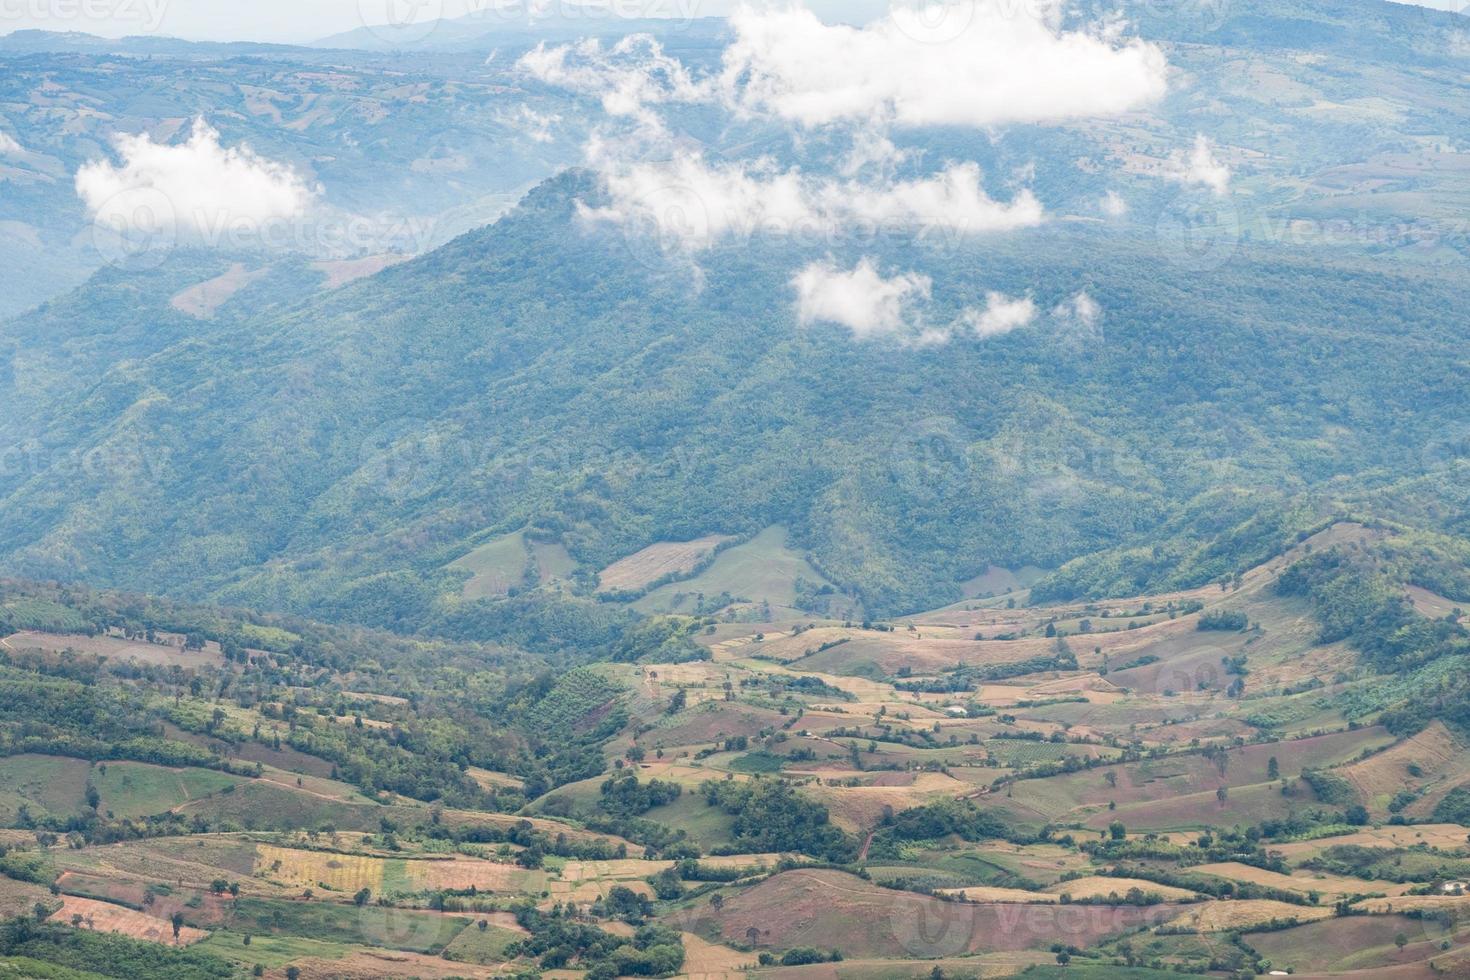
{"points": [[481, 946], [763, 569], [271, 951], [494, 567], [134, 789], [44, 784]]}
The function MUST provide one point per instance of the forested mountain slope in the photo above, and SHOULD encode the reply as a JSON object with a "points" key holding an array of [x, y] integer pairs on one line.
{"points": [[545, 372]]}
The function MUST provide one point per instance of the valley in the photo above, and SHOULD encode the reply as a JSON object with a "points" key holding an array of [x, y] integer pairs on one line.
{"points": [[1185, 780]]}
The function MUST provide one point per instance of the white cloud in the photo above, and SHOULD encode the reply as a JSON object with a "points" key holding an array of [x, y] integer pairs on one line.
{"points": [[1086, 308], [1113, 205], [1081, 310], [953, 200], [536, 125], [627, 77], [9, 147], [871, 148], [197, 188], [862, 300], [1005, 63], [1201, 168], [694, 203], [1001, 315], [873, 305]]}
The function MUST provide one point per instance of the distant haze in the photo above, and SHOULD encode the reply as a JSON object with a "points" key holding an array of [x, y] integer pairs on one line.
{"points": [[304, 21]]}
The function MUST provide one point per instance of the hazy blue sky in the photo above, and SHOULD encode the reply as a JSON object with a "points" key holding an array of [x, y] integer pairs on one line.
{"points": [[306, 20]]}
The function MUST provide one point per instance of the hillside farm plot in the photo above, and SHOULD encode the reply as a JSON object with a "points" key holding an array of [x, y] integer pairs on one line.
{"points": [[1247, 914], [202, 299], [1243, 805], [20, 897], [494, 567], [1173, 777], [43, 784], [764, 569], [1366, 943], [350, 873], [827, 909], [105, 917], [483, 947], [319, 869], [1301, 882], [386, 927], [115, 648], [135, 789], [1436, 754], [1118, 888], [658, 562], [1444, 836]]}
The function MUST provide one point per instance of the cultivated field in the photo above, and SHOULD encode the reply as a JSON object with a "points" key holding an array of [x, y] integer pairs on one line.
{"points": [[665, 560]]}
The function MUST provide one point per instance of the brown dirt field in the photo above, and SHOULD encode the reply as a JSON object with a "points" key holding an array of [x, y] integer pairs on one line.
{"points": [[890, 651], [1433, 606], [1186, 783], [986, 967], [103, 917], [983, 893], [1225, 916], [114, 648], [382, 964], [618, 869], [475, 818], [858, 809], [309, 869], [1364, 944], [640, 570], [1458, 904], [712, 962], [201, 300], [742, 860], [1302, 882], [1446, 836], [587, 892], [379, 698], [193, 865], [285, 758], [1102, 887], [488, 779], [342, 271], [829, 909], [1436, 750], [20, 897], [713, 720], [460, 874], [205, 909]]}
